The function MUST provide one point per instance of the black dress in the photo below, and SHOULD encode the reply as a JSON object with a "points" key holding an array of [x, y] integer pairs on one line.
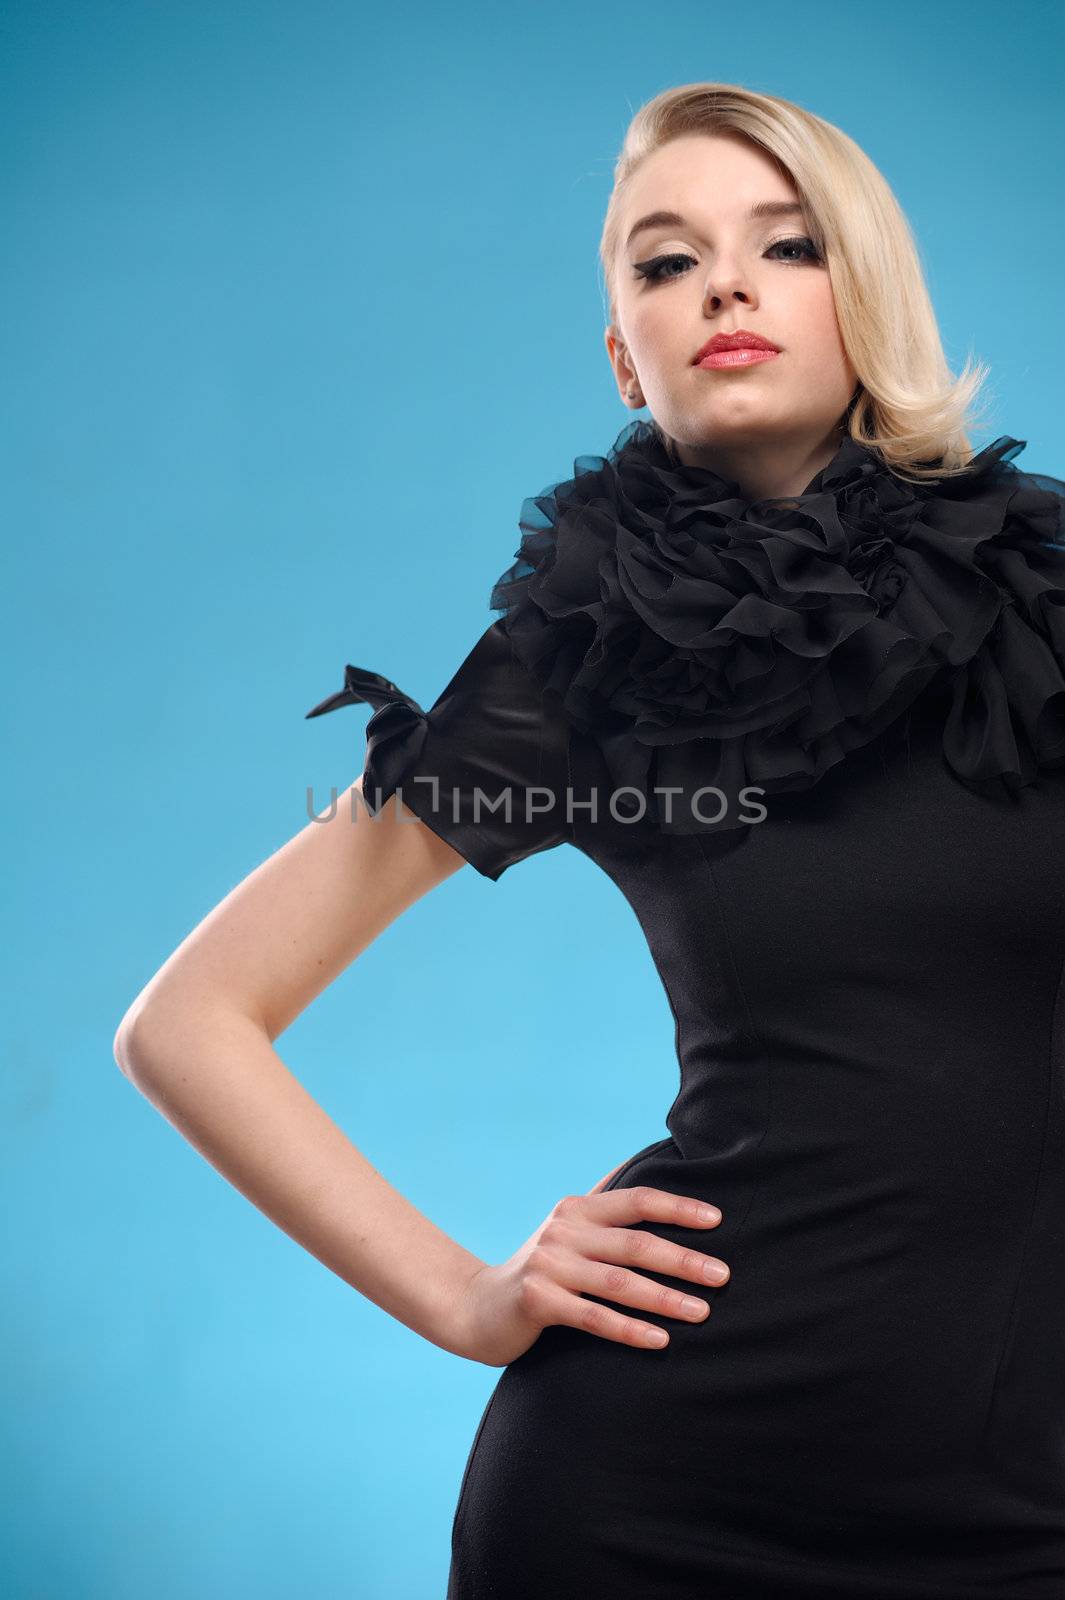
{"points": [[867, 981]]}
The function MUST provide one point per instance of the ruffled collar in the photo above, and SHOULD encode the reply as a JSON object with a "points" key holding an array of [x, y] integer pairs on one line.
{"points": [[703, 638]]}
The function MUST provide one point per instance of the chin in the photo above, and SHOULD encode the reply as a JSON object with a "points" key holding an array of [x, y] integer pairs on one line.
{"points": [[731, 431]]}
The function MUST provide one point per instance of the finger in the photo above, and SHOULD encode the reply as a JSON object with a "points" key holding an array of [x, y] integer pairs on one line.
{"points": [[573, 1311], [636, 1248], [641, 1202], [609, 1280]]}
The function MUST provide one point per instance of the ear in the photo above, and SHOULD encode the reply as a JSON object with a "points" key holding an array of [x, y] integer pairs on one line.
{"points": [[624, 372]]}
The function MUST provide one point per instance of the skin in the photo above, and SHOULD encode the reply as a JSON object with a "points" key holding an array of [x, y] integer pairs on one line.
{"points": [[770, 426], [198, 1043]]}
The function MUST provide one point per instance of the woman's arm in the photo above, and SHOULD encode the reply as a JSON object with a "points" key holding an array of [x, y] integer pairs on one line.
{"points": [[197, 1042]]}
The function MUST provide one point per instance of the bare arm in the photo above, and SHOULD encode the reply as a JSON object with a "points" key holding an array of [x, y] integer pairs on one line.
{"points": [[198, 1043]]}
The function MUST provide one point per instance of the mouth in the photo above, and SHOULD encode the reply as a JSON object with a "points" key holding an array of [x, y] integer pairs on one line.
{"points": [[735, 349], [736, 358]]}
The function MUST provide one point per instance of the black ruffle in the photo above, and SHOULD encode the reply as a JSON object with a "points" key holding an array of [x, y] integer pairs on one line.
{"points": [[395, 733], [704, 639]]}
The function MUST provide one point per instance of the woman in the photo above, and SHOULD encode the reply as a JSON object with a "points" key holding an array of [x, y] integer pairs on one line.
{"points": [[789, 664]]}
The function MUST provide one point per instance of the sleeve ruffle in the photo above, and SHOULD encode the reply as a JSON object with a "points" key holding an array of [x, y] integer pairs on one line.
{"points": [[395, 733], [485, 767]]}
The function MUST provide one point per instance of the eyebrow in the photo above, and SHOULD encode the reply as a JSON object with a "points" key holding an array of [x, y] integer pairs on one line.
{"points": [[673, 219]]}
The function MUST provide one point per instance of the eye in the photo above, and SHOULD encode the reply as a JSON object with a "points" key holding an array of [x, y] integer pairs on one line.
{"points": [[654, 269], [806, 247]]}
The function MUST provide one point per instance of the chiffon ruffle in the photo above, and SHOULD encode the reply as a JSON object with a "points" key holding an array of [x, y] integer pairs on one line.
{"points": [[704, 639]]}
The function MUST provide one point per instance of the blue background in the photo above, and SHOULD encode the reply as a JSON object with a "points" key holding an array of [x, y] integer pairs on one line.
{"points": [[301, 301]]}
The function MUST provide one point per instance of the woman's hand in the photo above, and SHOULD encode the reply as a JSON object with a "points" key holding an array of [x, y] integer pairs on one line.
{"points": [[587, 1245]]}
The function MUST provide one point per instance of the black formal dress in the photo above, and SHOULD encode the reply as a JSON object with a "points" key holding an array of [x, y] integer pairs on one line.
{"points": [[826, 736]]}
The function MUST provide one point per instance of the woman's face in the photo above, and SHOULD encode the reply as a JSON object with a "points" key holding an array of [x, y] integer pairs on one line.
{"points": [[769, 425]]}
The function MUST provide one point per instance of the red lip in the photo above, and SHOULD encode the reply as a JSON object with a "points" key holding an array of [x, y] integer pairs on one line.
{"points": [[740, 340]]}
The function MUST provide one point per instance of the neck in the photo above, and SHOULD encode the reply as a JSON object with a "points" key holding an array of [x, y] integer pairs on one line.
{"points": [[781, 471]]}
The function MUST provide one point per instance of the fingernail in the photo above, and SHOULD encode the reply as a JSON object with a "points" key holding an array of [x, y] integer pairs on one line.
{"points": [[709, 1214]]}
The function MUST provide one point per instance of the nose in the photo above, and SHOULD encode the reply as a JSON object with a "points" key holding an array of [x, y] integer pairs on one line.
{"points": [[726, 283]]}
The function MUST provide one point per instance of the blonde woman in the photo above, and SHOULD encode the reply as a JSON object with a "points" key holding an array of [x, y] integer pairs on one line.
{"points": [[788, 663]]}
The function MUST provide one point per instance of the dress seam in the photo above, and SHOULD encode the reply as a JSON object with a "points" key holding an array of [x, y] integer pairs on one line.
{"points": [[655, 963], [756, 1033]]}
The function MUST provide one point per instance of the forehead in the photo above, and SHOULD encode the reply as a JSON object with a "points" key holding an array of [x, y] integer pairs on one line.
{"points": [[705, 175]]}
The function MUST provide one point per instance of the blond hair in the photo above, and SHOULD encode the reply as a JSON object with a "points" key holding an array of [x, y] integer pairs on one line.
{"points": [[909, 407]]}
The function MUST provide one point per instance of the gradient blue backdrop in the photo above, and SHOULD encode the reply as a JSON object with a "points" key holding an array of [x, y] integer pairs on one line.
{"points": [[300, 301]]}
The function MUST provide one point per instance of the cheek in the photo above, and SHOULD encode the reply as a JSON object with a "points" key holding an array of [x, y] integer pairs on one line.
{"points": [[649, 331], [817, 329], [824, 319]]}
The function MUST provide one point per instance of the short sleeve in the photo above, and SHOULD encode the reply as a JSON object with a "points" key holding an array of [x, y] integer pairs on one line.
{"points": [[486, 767]]}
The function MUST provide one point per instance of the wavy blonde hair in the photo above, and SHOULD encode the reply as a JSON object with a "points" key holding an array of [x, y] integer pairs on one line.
{"points": [[908, 406]]}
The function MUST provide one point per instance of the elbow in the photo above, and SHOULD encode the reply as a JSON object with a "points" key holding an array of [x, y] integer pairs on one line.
{"points": [[132, 1047], [125, 1047], [141, 1035], [161, 1032]]}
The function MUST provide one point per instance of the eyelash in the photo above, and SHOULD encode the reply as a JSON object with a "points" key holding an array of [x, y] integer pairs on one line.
{"points": [[651, 270]]}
